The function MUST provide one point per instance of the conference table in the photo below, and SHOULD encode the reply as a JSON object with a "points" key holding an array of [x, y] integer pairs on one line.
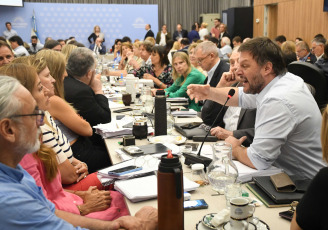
{"points": [[216, 203]]}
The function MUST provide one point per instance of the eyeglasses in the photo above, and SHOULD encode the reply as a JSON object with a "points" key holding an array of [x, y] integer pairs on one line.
{"points": [[199, 61], [146, 161], [39, 114]]}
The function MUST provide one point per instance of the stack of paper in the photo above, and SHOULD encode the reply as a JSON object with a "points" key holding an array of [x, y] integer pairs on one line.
{"points": [[145, 188], [114, 128], [182, 113], [175, 101]]}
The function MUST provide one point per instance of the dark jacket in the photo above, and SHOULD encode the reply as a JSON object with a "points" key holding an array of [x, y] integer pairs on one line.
{"points": [[192, 35], [101, 51], [167, 37], [184, 34], [149, 33]]}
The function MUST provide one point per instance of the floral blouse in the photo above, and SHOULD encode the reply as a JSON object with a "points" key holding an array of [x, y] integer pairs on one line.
{"points": [[165, 76]]}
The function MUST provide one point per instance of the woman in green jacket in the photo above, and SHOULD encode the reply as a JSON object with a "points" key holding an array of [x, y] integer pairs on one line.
{"points": [[184, 74]]}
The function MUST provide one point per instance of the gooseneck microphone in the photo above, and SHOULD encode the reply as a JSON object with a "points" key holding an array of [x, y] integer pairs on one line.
{"points": [[192, 158]]}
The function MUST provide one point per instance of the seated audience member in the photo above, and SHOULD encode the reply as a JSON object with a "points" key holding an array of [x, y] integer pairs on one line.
{"points": [[287, 118], [203, 30], [168, 46], [53, 45], [151, 40], [84, 92], [184, 45], [311, 212], [206, 38], [318, 44], [61, 42], [6, 54], [236, 42], [126, 39], [179, 33], [163, 36], [136, 51], [75, 129], [225, 49], [3, 39], [184, 74], [233, 121], [26, 207], [98, 47], [159, 71], [96, 34], [303, 52], [124, 66], [298, 39], [289, 52], [67, 50], [35, 46], [145, 50], [322, 63], [280, 39], [193, 34], [43, 166], [17, 45], [175, 48], [117, 50], [193, 60], [47, 39], [76, 43], [246, 39]]}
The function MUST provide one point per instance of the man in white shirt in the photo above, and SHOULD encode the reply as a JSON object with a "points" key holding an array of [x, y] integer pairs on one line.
{"points": [[9, 32], [35, 46], [18, 46], [225, 48], [318, 47], [288, 120]]}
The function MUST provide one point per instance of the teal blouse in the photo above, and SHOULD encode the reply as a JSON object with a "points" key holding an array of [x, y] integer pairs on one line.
{"points": [[177, 90]]}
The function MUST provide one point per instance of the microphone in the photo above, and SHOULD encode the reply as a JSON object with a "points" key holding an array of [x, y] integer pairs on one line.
{"points": [[192, 158]]}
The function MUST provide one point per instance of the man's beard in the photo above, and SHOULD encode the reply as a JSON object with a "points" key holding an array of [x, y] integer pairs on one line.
{"points": [[257, 85], [26, 146]]}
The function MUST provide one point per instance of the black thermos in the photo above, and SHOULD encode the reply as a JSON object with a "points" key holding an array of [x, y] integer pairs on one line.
{"points": [[160, 113]]}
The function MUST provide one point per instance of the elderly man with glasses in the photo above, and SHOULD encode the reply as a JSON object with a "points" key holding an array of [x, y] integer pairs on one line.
{"points": [[303, 52]]}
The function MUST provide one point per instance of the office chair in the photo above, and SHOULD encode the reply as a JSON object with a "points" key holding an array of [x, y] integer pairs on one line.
{"points": [[313, 76]]}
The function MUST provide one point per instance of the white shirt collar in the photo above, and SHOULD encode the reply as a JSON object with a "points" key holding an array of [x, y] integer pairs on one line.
{"points": [[211, 72]]}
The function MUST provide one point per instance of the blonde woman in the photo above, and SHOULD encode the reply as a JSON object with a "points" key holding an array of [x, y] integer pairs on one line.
{"points": [[96, 34], [203, 31], [67, 49], [193, 60], [175, 48], [75, 129], [183, 75]]}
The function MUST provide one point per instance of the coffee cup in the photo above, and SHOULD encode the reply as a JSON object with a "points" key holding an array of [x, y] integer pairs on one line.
{"points": [[240, 208], [126, 98]]}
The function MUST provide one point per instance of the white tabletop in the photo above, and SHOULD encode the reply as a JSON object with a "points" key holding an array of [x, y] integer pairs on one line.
{"points": [[215, 203]]}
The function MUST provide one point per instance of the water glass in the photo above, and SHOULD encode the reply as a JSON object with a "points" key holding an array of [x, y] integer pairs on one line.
{"points": [[232, 191]]}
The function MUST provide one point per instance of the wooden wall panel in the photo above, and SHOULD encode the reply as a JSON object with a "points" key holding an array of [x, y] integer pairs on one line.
{"points": [[296, 18], [258, 27]]}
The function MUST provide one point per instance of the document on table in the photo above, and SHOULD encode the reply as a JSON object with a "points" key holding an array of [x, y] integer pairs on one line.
{"points": [[145, 188], [114, 128]]}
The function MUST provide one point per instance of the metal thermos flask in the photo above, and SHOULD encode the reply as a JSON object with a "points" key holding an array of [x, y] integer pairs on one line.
{"points": [[160, 113], [170, 193]]}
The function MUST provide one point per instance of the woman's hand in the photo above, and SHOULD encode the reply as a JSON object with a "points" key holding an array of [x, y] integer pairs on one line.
{"points": [[81, 170], [95, 200], [148, 76]]}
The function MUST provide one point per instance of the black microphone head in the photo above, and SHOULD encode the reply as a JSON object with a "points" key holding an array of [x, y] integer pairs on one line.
{"points": [[231, 93]]}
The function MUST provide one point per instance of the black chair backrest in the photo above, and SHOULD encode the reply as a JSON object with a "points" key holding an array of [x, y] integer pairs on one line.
{"points": [[314, 76]]}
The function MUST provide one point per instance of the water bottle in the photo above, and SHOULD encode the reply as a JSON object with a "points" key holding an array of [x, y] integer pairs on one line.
{"points": [[170, 193], [160, 113]]}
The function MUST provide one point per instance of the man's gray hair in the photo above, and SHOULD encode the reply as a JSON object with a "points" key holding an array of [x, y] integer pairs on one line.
{"points": [[207, 47], [9, 103], [80, 62], [319, 41], [226, 41]]}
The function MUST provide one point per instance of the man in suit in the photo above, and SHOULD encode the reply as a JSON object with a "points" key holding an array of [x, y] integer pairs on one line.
{"points": [[149, 33], [223, 33], [233, 121], [180, 33], [318, 44], [98, 47], [303, 52], [83, 90], [163, 36]]}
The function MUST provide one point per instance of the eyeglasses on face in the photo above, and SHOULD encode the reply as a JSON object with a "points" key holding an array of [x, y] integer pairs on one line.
{"points": [[39, 114], [199, 61]]}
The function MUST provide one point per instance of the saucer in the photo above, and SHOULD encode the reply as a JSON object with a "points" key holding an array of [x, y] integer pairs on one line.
{"points": [[207, 220], [251, 226]]}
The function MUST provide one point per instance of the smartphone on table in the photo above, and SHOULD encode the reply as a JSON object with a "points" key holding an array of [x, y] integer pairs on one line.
{"points": [[124, 170], [195, 204]]}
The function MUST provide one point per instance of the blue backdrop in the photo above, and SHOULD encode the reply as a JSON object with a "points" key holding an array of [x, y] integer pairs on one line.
{"points": [[60, 20]]}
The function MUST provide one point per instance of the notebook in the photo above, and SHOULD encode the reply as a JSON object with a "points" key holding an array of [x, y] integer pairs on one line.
{"points": [[189, 133], [145, 188], [267, 186]]}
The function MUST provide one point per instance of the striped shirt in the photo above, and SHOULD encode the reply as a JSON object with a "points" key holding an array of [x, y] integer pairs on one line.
{"points": [[53, 138]]}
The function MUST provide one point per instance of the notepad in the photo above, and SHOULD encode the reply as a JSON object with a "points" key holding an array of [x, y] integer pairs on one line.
{"points": [[145, 188]]}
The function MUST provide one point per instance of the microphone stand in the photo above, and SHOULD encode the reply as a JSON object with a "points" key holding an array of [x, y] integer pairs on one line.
{"points": [[197, 158]]}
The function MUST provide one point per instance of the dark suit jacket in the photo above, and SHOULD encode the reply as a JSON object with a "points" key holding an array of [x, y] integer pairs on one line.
{"points": [[246, 121], [222, 67], [158, 37], [149, 33], [183, 32], [102, 51], [311, 58], [92, 107], [225, 34]]}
